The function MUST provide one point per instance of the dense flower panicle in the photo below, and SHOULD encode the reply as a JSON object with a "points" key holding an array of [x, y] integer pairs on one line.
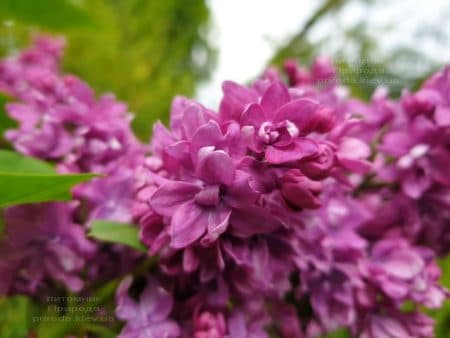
{"points": [[42, 245], [397, 324], [417, 151], [264, 190], [148, 316], [291, 211], [60, 120]]}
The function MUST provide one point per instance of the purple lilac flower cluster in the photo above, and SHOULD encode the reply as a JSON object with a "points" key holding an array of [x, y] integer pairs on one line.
{"points": [[291, 211], [276, 214], [60, 120]]}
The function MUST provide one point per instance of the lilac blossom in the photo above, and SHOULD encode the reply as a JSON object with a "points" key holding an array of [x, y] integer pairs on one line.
{"points": [[60, 120], [272, 186], [293, 209], [43, 246], [149, 317]]}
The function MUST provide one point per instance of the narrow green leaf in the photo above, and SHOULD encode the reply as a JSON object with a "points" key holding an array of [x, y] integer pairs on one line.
{"points": [[114, 232], [11, 162], [27, 180], [29, 188], [51, 14]]}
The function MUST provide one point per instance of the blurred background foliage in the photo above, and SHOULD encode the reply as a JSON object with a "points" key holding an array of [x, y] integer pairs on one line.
{"points": [[147, 51], [368, 48], [144, 51]]}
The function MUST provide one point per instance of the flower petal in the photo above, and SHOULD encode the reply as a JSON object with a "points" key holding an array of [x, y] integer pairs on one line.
{"points": [[297, 150], [404, 264], [415, 183], [249, 221], [235, 98], [274, 97], [217, 222], [442, 116], [216, 167], [207, 135], [353, 148], [172, 195], [301, 112], [253, 115], [155, 302], [189, 223]]}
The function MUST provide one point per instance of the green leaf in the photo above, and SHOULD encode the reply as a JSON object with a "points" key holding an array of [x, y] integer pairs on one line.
{"points": [[11, 162], [27, 180], [30, 188], [51, 14], [16, 314], [114, 232], [342, 333]]}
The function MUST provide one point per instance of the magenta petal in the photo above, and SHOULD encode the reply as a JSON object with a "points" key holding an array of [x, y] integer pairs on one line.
{"points": [[207, 135], [404, 264], [388, 327], [178, 150], [442, 116], [167, 328], [189, 223], [178, 106], [250, 221], [304, 199], [24, 113], [356, 166], [208, 196], [191, 260], [253, 115], [155, 302], [126, 307], [439, 165], [240, 94], [396, 289], [194, 117], [237, 252], [352, 148], [240, 193], [237, 325], [171, 195], [218, 222], [235, 98], [161, 138], [301, 112], [274, 97], [414, 184], [216, 167], [297, 150]]}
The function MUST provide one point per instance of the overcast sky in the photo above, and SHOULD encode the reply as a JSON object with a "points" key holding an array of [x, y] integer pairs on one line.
{"points": [[247, 32]]}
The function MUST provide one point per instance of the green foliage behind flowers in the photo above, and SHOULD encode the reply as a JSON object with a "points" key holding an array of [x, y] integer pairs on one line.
{"points": [[41, 12], [144, 51]]}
